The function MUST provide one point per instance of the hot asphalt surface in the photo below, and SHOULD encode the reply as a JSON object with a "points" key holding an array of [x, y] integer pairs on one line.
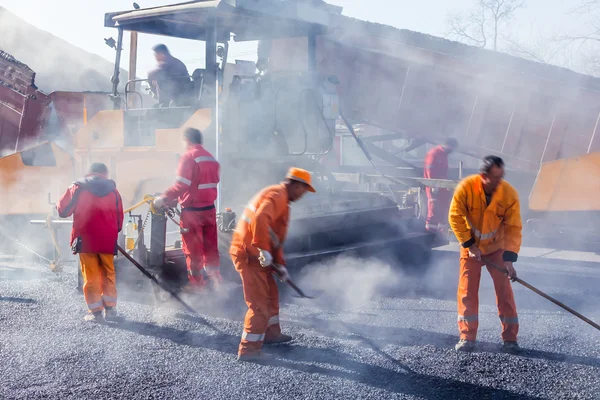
{"points": [[371, 334]]}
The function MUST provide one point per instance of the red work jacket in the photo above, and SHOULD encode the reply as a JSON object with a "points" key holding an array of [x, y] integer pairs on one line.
{"points": [[197, 179], [436, 165], [97, 211]]}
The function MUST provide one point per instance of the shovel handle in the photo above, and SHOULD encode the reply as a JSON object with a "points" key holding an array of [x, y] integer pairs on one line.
{"points": [[544, 295], [153, 279], [292, 284]]}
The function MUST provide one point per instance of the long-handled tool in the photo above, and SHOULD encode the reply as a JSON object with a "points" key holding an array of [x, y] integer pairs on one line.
{"points": [[277, 244], [153, 279], [544, 295], [292, 285]]}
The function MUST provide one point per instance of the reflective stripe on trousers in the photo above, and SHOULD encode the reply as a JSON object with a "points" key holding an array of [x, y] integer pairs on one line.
{"points": [[95, 305], [470, 318], [109, 298], [274, 320], [509, 320], [253, 337]]}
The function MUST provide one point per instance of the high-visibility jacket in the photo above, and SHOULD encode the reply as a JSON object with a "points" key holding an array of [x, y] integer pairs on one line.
{"points": [[490, 227], [436, 163], [97, 211], [264, 225], [197, 179], [436, 167]]}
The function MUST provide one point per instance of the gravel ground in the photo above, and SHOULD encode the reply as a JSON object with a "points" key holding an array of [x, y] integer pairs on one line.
{"points": [[371, 334]]}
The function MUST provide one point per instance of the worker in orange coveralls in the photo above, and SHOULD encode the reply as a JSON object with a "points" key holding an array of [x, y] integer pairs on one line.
{"points": [[196, 189], [256, 248], [97, 211], [438, 199], [486, 219]]}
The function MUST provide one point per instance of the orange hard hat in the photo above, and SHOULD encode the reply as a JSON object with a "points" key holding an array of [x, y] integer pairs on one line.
{"points": [[301, 175]]}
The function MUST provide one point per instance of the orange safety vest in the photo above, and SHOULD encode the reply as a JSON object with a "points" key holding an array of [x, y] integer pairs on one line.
{"points": [[263, 225], [490, 227]]}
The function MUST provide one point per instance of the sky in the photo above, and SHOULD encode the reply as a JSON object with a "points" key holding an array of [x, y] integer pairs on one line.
{"points": [[80, 22]]}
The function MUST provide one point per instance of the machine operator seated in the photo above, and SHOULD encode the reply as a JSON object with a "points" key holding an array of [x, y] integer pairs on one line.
{"points": [[170, 82]]}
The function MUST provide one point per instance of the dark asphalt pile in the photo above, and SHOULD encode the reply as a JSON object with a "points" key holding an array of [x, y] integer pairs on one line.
{"points": [[363, 346]]}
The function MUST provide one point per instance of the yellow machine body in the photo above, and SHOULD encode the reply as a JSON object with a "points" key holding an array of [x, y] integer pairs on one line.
{"points": [[30, 176], [569, 184]]}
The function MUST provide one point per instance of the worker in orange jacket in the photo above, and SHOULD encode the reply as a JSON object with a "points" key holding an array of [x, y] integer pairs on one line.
{"points": [[438, 199], [256, 251], [486, 219]]}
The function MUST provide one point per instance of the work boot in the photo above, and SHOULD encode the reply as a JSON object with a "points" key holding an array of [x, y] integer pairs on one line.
{"points": [[94, 317], [465, 345], [511, 347], [111, 315], [282, 338], [215, 280], [193, 288], [258, 356]]}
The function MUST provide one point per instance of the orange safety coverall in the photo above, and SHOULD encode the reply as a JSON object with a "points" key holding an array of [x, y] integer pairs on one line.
{"points": [[436, 167], [263, 226], [496, 229]]}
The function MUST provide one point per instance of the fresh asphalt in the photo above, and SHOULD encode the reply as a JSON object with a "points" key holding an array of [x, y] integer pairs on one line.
{"points": [[372, 333]]}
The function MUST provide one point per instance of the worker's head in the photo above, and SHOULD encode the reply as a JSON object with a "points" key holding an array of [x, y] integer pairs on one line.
{"points": [[192, 137], [492, 172], [450, 145], [298, 182], [161, 52], [99, 169]]}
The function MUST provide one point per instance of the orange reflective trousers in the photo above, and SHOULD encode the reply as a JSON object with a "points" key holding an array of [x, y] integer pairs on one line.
{"points": [[468, 297], [262, 297], [99, 280]]}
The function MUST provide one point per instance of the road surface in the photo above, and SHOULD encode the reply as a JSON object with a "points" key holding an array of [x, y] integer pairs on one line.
{"points": [[372, 333]]}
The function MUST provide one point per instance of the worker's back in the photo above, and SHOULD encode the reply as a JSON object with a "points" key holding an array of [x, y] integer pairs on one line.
{"points": [[436, 163], [247, 232], [205, 177], [97, 212]]}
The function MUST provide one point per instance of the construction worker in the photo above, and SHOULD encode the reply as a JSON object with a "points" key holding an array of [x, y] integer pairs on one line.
{"points": [[486, 219], [256, 251], [97, 211], [438, 199], [170, 81], [196, 190]]}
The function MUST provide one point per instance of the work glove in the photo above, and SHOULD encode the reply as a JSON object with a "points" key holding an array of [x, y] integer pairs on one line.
{"points": [[158, 202], [265, 258], [282, 272], [475, 253]]}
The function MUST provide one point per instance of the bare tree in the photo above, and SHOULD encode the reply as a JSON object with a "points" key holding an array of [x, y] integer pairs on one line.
{"points": [[481, 26], [584, 44]]}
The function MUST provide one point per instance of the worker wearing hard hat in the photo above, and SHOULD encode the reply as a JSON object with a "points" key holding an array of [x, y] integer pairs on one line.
{"points": [[485, 216], [438, 199], [198, 176], [97, 211], [256, 251]]}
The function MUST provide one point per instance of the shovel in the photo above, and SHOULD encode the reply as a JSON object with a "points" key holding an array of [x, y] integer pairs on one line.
{"points": [[301, 294]]}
